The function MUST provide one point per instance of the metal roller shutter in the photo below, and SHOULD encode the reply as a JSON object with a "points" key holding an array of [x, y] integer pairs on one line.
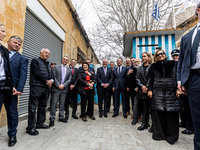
{"points": [[36, 37]]}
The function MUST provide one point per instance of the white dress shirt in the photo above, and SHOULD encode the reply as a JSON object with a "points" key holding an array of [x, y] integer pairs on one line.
{"points": [[197, 65], [2, 70]]}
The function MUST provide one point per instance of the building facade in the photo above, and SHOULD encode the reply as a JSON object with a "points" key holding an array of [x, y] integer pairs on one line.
{"points": [[45, 24]]}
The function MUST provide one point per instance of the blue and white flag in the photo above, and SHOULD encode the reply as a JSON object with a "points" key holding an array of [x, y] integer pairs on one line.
{"points": [[156, 12]]}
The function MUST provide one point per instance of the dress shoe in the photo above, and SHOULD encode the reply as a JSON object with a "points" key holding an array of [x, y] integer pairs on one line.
{"points": [[12, 140], [84, 119], [114, 115], [64, 120], [32, 132], [100, 115], [105, 115], [142, 127], [92, 117], [134, 122], [51, 124], [74, 116], [187, 131], [43, 126], [150, 130]]}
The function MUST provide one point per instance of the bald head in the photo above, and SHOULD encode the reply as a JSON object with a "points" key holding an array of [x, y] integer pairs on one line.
{"points": [[105, 63]]}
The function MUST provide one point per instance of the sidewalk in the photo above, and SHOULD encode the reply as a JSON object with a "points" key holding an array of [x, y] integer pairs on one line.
{"points": [[101, 134]]}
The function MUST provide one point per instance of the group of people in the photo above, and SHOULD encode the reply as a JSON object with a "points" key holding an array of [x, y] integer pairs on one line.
{"points": [[155, 86]]}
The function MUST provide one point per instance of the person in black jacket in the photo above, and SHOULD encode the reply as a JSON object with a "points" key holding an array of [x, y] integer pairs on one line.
{"points": [[86, 81], [7, 89], [164, 104], [41, 79], [142, 79], [104, 81]]}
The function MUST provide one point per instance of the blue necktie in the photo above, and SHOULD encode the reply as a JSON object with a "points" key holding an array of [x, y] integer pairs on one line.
{"points": [[195, 47]]}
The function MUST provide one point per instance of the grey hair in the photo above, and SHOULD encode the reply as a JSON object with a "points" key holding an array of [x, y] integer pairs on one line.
{"points": [[16, 37], [44, 49]]}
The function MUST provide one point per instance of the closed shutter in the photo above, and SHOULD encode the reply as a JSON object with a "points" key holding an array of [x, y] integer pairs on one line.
{"points": [[36, 37]]}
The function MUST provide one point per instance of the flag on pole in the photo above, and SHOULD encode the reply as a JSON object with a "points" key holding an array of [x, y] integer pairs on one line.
{"points": [[156, 12]]}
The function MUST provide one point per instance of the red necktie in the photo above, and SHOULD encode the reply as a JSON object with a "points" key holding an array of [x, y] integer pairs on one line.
{"points": [[72, 70]]}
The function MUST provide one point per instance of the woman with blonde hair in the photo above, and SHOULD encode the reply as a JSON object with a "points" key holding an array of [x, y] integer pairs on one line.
{"points": [[164, 104], [142, 79]]}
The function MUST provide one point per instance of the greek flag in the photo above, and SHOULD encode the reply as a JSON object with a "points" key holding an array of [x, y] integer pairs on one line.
{"points": [[156, 12]]}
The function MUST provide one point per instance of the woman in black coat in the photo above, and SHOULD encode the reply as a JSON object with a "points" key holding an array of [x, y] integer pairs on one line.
{"points": [[142, 79], [86, 81], [164, 104]]}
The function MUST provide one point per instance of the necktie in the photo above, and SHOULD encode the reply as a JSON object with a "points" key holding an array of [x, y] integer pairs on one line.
{"points": [[119, 70], [63, 74], [105, 71], [195, 48], [72, 70]]}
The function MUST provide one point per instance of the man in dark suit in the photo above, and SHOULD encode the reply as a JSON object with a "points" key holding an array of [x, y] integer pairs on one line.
{"points": [[188, 74], [104, 80], [6, 84], [18, 66], [72, 93], [111, 93], [120, 87], [62, 79], [41, 79], [90, 68]]}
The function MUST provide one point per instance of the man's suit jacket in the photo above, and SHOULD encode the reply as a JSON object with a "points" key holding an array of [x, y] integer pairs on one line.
{"points": [[18, 65], [101, 78], [90, 69], [74, 79], [120, 79], [9, 82], [184, 63], [57, 70]]}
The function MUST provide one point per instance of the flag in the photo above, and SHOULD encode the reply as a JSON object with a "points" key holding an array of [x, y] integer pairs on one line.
{"points": [[156, 12]]}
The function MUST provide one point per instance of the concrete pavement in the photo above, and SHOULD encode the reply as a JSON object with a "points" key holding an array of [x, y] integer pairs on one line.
{"points": [[101, 134]]}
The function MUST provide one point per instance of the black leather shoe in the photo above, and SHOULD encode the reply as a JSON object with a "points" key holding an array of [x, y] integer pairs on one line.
{"points": [[105, 115], [12, 140], [84, 119], [32, 132], [134, 122], [64, 120], [43, 126], [51, 124], [75, 117], [92, 117], [114, 115], [100, 115], [187, 131], [142, 127], [150, 130]]}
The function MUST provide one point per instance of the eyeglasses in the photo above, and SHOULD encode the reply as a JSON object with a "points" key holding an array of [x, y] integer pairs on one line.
{"points": [[160, 54]]}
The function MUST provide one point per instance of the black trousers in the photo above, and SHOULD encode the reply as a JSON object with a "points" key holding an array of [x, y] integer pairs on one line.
{"points": [[12, 113], [186, 115], [145, 105], [128, 94], [103, 96], [71, 99], [111, 95], [134, 103], [117, 101], [165, 126], [193, 88], [88, 98], [37, 101]]}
